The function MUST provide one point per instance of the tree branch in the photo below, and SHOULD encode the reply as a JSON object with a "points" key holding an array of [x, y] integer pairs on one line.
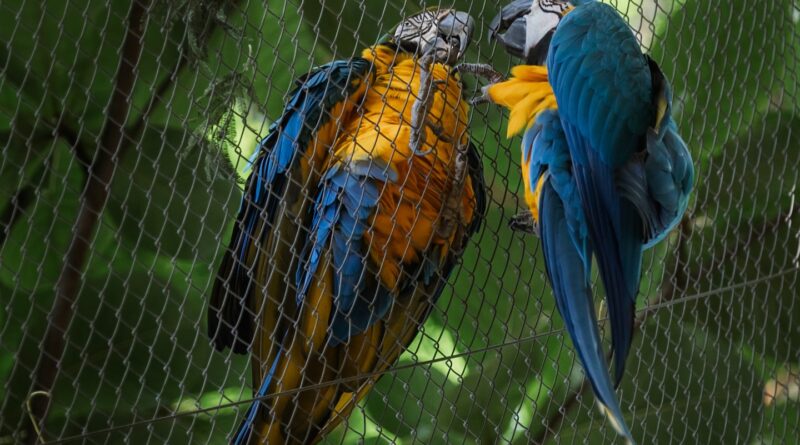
{"points": [[135, 130], [93, 200]]}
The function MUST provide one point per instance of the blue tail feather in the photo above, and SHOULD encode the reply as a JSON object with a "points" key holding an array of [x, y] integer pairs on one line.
{"points": [[245, 429], [569, 280], [601, 204]]}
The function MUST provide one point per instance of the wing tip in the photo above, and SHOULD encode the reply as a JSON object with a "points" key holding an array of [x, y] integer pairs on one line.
{"points": [[229, 322]]}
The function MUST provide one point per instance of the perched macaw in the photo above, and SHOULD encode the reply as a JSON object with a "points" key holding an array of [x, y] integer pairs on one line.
{"points": [[606, 173], [355, 213]]}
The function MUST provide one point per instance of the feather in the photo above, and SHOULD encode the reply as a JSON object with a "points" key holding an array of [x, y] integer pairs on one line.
{"points": [[327, 92], [570, 282]]}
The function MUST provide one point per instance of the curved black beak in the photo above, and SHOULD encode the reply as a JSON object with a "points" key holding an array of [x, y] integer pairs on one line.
{"points": [[508, 27]]}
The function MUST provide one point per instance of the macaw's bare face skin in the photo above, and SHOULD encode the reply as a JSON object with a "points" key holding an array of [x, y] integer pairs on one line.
{"points": [[445, 33], [524, 27]]}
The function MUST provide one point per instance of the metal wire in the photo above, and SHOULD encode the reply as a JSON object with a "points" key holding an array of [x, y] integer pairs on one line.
{"points": [[648, 309], [127, 129]]}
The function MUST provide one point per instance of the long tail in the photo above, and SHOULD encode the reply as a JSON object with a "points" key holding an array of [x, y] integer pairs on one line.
{"points": [[246, 428], [616, 240], [570, 281]]}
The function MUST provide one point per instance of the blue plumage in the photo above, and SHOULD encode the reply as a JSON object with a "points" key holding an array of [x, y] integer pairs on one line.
{"points": [[602, 84], [347, 199], [568, 252], [617, 175], [244, 429], [230, 321]]}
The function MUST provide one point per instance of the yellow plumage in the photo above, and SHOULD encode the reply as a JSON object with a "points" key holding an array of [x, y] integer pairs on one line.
{"points": [[374, 125], [526, 94]]}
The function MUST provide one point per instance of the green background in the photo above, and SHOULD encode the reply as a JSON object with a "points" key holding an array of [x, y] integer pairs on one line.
{"points": [[498, 368]]}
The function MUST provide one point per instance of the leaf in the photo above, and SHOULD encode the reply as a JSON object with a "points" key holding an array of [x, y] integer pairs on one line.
{"points": [[499, 288], [135, 346], [173, 196], [34, 250], [269, 47], [24, 54], [754, 177], [778, 425], [747, 281], [723, 65], [22, 165], [745, 254], [684, 384], [406, 402]]}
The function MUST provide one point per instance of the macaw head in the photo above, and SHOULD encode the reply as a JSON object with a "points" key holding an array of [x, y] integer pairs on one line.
{"points": [[445, 32], [525, 27]]}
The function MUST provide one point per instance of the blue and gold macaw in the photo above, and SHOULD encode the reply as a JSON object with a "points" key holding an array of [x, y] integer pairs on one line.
{"points": [[360, 201], [606, 173]]}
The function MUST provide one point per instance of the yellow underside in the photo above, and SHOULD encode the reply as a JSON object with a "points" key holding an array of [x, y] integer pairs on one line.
{"points": [[526, 94], [375, 125]]}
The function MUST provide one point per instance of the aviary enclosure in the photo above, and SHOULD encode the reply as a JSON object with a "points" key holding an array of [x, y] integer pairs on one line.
{"points": [[127, 128]]}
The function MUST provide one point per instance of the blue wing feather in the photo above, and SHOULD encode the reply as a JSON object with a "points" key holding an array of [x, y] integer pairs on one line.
{"points": [[570, 282], [230, 318], [347, 199], [603, 89], [568, 252]]}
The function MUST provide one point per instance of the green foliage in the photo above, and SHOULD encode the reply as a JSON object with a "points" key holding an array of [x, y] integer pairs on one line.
{"points": [[32, 252], [137, 347], [724, 64], [167, 199], [679, 395]]}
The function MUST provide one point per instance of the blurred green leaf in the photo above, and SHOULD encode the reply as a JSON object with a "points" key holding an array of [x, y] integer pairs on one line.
{"points": [[22, 163], [752, 180], [746, 251], [778, 425], [746, 284], [174, 196], [723, 64], [407, 401], [684, 384], [136, 345], [33, 252], [499, 289], [255, 61]]}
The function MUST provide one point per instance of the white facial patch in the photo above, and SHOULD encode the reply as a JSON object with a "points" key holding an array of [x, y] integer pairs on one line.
{"points": [[544, 16], [420, 28]]}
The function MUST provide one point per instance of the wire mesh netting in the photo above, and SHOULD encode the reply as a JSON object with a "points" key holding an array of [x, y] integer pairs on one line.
{"points": [[128, 128]]}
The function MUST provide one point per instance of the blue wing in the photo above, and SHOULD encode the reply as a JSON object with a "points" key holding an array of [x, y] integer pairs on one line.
{"points": [[231, 311], [346, 201], [567, 255], [602, 84], [658, 184]]}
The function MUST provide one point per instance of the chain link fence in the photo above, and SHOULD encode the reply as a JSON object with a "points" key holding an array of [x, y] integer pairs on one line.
{"points": [[125, 129]]}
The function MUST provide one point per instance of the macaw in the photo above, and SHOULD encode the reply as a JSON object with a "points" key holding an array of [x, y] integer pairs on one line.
{"points": [[605, 171], [360, 201]]}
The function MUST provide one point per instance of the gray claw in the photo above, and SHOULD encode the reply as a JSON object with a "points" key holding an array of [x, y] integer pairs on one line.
{"points": [[524, 222], [483, 70], [421, 107]]}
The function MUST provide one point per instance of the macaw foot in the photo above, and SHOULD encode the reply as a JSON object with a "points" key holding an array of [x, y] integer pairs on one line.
{"points": [[524, 222], [483, 70], [450, 216], [422, 105]]}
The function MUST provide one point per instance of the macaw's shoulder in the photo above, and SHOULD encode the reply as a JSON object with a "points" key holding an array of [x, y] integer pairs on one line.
{"points": [[332, 82], [599, 37]]}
